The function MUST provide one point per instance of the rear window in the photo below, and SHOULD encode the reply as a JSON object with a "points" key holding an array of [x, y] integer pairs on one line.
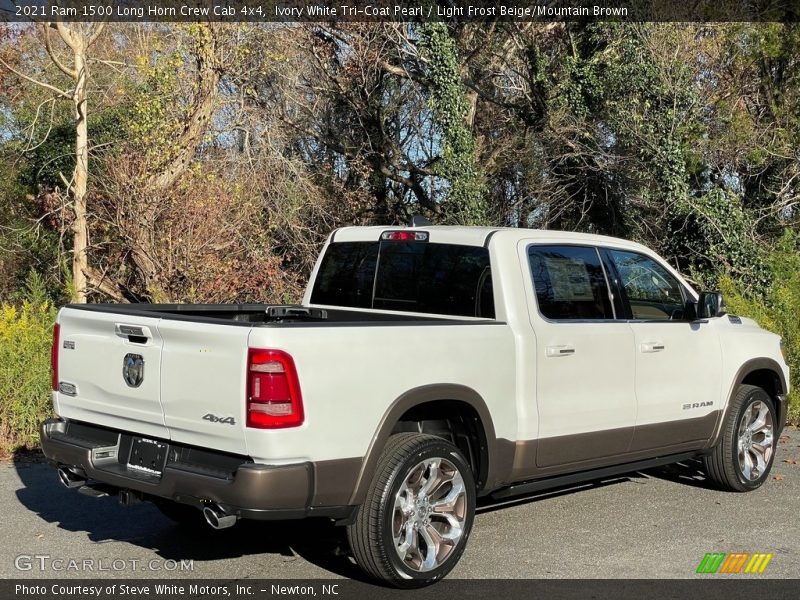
{"points": [[442, 279]]}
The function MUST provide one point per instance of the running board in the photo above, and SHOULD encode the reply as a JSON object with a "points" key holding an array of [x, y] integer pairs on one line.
{"points": [[547, 483]]}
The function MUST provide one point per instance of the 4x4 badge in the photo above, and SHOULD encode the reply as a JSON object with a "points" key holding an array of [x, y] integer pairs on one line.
{"points": [[133, 370]]}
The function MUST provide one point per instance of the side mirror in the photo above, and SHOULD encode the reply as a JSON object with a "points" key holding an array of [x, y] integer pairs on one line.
{"points": [[709, 305]]}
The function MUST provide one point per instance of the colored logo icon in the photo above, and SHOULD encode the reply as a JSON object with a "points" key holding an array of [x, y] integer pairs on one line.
{"points": [[737, 562]]}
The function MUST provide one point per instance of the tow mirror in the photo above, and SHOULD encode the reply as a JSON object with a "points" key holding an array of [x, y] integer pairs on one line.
{"points": [[709, 305]]}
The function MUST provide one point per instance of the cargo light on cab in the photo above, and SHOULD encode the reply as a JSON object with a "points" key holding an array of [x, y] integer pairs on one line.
{"points": [[404, 236]]}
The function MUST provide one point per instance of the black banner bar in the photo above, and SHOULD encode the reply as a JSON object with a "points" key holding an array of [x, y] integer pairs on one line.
{"points": [[705, 587], [286, 11]]}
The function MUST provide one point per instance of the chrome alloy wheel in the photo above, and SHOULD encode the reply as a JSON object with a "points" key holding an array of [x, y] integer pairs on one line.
{"points": [[430, 509], [755, 440]]}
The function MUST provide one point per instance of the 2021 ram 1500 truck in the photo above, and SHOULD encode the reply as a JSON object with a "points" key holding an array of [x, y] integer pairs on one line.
{"points": [[427, 366]]}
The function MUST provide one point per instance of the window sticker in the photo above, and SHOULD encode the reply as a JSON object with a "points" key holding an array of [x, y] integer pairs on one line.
{"points": [[569, 279]]}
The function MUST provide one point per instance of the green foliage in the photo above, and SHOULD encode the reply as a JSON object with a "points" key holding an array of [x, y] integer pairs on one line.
{"points": [[25, 338], [55, 156], [778, 308], [723, 236], [467, 201], [152, 124]]}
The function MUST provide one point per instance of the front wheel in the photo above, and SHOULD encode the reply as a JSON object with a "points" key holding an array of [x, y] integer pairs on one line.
{"points": [[414, 524], [742, 459]]}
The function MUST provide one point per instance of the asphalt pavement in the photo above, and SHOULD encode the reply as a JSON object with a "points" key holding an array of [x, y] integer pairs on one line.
{"points": [[654, 524]]}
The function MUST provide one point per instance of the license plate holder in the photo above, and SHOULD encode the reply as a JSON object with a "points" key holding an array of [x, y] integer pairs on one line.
{"points": [[147, 456]]}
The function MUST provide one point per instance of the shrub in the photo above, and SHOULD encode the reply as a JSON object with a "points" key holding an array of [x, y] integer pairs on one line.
{"points": [[25, 338], [778, 308]]}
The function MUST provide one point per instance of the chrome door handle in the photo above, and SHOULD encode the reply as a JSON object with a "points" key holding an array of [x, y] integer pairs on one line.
{"points": [[563, 350], [652, 346]]}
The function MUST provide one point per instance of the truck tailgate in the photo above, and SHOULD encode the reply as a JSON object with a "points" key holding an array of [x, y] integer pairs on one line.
{"points": [[95, 348], [203, 383]]}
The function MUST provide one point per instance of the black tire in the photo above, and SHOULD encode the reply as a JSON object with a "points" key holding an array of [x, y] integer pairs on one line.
{"points": [[722, 465], [371, 535], [183, 515]]}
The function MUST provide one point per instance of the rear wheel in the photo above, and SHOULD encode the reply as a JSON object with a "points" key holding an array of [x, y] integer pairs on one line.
{"points": [[415, 522], [743, 457]]}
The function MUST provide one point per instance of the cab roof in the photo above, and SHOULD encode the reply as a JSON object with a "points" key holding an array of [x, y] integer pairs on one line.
{"points": [[479, 236]]}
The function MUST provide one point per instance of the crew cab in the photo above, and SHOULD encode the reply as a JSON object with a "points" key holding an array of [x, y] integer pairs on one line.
{"points": [[426, 367]]}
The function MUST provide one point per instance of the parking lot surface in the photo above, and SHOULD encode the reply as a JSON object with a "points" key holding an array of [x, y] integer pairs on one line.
{"points": [[653, 524]]}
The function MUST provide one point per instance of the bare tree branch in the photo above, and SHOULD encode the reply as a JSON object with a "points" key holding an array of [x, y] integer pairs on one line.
{"points": [[52, 88], [72, 73]]}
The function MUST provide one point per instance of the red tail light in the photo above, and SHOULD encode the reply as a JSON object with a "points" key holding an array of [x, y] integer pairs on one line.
{"points": [[273, 390], [54, 356]]}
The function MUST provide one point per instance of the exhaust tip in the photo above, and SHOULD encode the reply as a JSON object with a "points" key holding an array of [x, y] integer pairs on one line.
{"points": [[71, 477], [217, 518]]}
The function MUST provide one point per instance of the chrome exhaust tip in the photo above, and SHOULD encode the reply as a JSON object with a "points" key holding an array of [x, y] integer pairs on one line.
{"points": [[71, 477], [217, 518]]}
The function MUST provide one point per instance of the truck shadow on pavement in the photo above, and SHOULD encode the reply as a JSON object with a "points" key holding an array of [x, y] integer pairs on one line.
{"points": [[688, 472], [317, 541], [103, 520]]}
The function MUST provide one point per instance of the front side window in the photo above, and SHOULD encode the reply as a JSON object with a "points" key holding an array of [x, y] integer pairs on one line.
{"points": [[653, 293], [570, 283]]}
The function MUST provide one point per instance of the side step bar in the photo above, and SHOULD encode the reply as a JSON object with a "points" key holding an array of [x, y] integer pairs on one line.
{"points": [[547, 483]]}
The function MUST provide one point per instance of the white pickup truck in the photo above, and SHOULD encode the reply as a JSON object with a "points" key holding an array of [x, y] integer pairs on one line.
{"points": [[427, 367]]}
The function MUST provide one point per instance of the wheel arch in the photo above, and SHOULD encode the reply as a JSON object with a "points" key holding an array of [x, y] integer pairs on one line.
{"points": [[765, 373], [429, 395]]}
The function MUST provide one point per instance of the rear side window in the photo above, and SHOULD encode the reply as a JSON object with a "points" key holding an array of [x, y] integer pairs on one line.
{"points": [[569, 282], [444, 279]]}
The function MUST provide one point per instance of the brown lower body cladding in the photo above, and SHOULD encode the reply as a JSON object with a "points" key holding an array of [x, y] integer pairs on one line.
{"points": [[324, 487], [571, 453]]}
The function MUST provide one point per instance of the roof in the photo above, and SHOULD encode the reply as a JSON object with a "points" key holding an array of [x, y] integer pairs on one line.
{"points": [[478, 236]]}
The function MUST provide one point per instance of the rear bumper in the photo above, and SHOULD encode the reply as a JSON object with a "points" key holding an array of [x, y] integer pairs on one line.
{"points": [[239, 486]]}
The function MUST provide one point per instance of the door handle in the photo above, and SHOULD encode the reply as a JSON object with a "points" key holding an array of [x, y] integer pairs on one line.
{"points": [[136, 334], [563, 350], [652, 346]]}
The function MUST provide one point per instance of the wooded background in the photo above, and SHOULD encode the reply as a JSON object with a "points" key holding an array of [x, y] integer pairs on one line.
{"points": [[207, 163]]}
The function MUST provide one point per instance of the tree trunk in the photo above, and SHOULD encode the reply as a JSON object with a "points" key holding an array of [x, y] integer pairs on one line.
{"points": [[200, 113], [80, 240]]}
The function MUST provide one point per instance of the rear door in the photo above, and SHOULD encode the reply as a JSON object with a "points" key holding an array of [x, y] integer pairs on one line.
{"points": [[203, 382], [584, 357], [110, 371]]}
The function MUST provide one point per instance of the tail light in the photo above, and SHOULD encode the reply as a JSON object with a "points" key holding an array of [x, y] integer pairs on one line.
{"points": [[273, 390], [54, 356]]}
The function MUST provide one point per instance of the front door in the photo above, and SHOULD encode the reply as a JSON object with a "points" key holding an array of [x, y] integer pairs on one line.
{"points": [[678, 361]]}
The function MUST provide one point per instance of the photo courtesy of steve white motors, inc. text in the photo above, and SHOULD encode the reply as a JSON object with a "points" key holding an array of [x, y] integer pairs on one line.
{"points": [[169, 589]]}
